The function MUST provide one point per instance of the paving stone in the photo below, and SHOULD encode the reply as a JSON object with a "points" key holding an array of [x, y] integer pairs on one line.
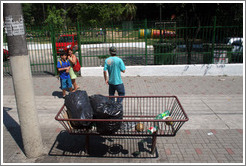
{"points": [[207, 109]]}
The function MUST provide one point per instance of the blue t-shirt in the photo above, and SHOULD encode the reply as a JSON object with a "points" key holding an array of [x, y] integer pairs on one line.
{"points": [[114, 65], [63, 73]]}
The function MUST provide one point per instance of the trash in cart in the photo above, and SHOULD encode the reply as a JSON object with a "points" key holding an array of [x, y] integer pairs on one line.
{"points": [[104, 108], [126, 126], [139, 127], [163, 115], [166, 116], [152, 130], [137, 117], [79, 107]]}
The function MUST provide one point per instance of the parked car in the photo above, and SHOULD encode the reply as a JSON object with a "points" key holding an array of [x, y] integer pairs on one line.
{"points": [[237, 50], [230, 40], [5, 55], [65, 42]]}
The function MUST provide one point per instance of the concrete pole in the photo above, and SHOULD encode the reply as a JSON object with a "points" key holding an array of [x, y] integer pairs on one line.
{"points": [[22, 80]]}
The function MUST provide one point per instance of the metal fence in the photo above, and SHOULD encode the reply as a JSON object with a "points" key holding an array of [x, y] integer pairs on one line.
{"points": [[137, 43]]}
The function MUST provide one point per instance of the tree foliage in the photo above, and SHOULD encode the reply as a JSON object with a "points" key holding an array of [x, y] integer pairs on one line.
{"points": [[97, 14], [129, 12], [55, 17]]}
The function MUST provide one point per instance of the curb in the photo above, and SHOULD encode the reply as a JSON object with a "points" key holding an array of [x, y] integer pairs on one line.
{"points": [[174, 70]]}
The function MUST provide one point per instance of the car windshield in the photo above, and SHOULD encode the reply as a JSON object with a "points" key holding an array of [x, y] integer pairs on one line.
{"points": [[237, 43], [65, 39], [231, 40]]}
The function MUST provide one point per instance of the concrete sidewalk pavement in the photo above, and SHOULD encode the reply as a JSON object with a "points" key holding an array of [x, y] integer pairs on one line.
{"points": [[213, 134]]}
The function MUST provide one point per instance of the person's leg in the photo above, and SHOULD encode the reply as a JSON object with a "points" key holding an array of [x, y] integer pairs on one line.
{"points": [[111, 91], [63, 92], [63, 87], [73, 77], [69, 84], [121, 92], [73, 80], [77, 86], [74, 85]]}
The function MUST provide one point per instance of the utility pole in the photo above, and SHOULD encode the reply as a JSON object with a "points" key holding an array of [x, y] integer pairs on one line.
{"points": [[22, 80]]}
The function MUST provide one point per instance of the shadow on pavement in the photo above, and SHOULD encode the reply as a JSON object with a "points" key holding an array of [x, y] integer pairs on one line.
{"points": [[57, 94], [49, 73], [102, 146], [13, 127]]}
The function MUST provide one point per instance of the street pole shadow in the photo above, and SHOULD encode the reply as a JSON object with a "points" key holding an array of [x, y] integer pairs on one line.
{"points": [[102, 146], [13, 128]]}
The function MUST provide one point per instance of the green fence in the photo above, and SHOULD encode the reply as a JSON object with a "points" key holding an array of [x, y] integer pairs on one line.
{"points": [[138, 43]]}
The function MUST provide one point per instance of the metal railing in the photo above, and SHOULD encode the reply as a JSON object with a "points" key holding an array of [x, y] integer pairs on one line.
{"points": [[148, 43]]}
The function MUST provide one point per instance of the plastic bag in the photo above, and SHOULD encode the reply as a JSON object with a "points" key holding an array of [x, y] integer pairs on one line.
{"points": [[105, 108], [97, 100], [79, 107]]}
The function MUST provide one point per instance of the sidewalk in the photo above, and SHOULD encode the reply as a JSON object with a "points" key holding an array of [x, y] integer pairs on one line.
{"points": [[213, 134]]}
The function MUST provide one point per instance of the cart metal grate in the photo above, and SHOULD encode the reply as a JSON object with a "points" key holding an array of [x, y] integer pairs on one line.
{"points": [[136, 109]]}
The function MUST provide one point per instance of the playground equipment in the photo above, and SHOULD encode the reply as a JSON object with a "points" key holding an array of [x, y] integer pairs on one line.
{"points": [[155, 33]]}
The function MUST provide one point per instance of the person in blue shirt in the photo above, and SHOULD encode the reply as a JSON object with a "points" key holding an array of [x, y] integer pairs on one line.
{"points": [[63, 67], [114, 65]]}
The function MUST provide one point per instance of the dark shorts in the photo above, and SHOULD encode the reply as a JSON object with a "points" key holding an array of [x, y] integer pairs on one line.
{"points": [[66, 83]]}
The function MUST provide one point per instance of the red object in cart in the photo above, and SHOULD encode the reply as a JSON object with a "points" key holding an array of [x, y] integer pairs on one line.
{"points": [[136, 109]]}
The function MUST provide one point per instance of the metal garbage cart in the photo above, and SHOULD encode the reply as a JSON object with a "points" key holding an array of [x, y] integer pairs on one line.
{"points": [[136, 109]]}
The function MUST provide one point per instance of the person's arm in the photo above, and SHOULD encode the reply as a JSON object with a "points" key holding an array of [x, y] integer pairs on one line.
{"points": [[60, 68], [65, 68], [105, 72], [105, 77], [72, 59], [122, 67], [69, 66]]}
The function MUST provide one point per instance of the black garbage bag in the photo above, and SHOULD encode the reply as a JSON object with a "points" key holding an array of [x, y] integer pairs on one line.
{"points": [[109, 110], [97, 101], [79, 107], [105, 108]]}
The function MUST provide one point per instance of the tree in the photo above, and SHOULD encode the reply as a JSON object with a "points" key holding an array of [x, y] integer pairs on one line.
{"points": [[55, 17], [96, 14], [33, 13], [129, 12], [150, 11], [190, 36], [234, 11], [27, 14]]}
